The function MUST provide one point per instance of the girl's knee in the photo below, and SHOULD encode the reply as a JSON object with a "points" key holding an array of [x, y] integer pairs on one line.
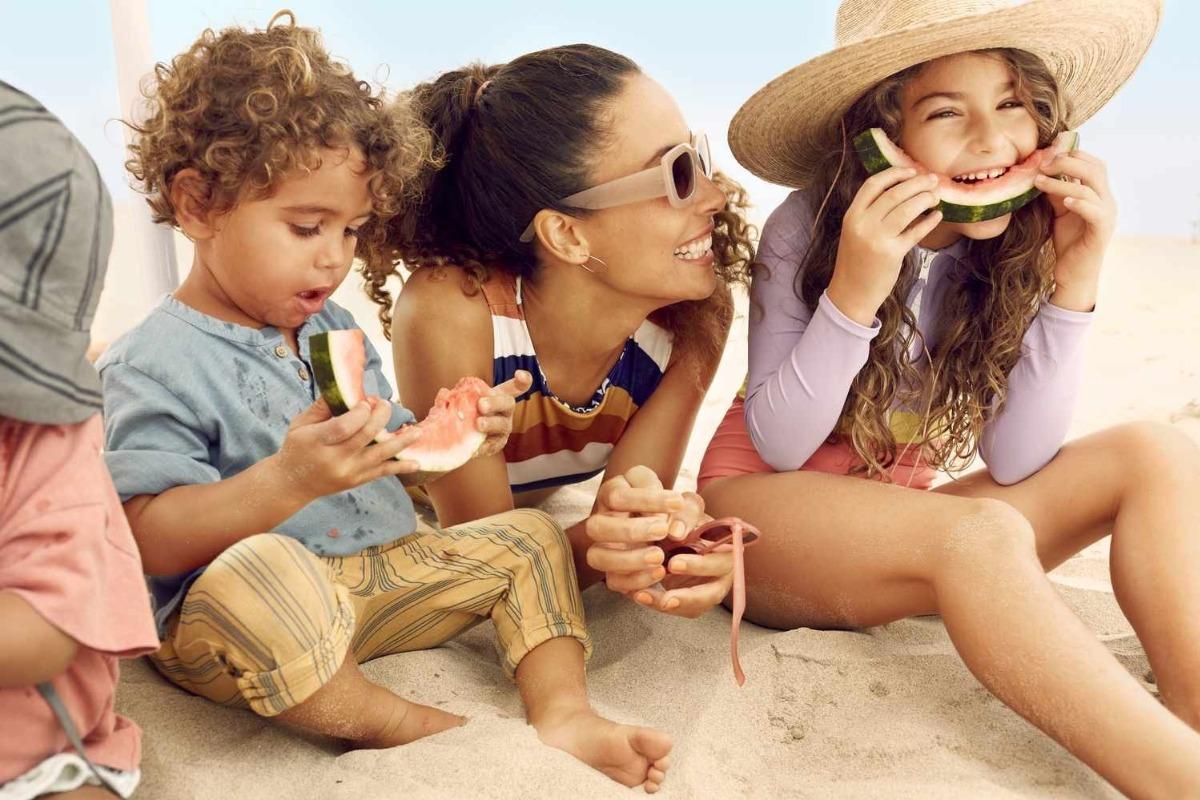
{"points": [[986, 534], [1153, 449]]}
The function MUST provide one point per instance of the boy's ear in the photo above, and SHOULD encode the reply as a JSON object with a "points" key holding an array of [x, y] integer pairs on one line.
{"points": [[562, 235], [189, 195]]}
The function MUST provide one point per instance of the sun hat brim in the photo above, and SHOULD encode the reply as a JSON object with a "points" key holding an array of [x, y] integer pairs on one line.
{"points": [[1091, 46]]}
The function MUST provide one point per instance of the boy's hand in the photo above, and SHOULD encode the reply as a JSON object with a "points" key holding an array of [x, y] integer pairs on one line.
{"points": [[496, 410], [323, 454]]}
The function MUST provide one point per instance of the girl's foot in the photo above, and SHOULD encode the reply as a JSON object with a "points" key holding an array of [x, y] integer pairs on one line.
{"points": [[627, 754]]}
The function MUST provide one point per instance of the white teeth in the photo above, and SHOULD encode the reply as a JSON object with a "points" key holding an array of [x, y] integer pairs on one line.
{"points": [[995, 172], [694, 249]]}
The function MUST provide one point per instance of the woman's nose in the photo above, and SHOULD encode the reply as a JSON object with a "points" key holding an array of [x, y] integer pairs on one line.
{"points": [[710, 199]]}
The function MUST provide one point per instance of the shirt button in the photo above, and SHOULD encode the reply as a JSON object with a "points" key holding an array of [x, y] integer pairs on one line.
{"points": [[303, 373], [281, 351]]}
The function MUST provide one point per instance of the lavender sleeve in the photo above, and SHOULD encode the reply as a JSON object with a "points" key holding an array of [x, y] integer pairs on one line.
{"points": [[801, 362], [1042, 388]]}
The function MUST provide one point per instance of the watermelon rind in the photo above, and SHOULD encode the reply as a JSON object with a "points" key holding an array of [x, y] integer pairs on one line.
{"points": [[877, 152], [337, 359]]}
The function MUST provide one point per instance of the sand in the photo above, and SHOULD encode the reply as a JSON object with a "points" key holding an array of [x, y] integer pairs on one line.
{"points": [[887, 712]]}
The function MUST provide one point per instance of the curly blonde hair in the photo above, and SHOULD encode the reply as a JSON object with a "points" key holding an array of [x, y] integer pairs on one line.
{"points": [[247, 108], [515, 138], [986, 310]]}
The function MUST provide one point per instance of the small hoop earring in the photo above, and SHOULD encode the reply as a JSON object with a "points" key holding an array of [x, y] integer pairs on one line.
{"points": [[598, 261]]}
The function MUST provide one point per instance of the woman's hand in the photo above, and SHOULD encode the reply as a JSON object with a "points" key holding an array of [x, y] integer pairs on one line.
{"points": [[1085, 215], [883, 222], [496, 411], [633, 512]]}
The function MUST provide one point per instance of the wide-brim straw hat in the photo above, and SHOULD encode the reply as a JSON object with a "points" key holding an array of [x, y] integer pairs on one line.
{"points": [[1091, 47]]}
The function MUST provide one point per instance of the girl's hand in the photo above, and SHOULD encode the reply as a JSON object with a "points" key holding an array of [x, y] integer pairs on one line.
{"points": [[496, 410], [322, 454], [632, 512], [881, 225], [1085, 215]]}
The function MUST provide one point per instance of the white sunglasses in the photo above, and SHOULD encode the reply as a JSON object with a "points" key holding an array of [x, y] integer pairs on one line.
{"points": [[674, 177]]}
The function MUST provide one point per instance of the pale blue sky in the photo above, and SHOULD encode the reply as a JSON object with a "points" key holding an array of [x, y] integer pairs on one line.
{"points": [[712, 56]]}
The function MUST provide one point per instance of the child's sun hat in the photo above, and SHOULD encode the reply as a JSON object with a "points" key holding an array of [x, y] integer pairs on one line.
{"points": [[1090, 46], [55, 234]]}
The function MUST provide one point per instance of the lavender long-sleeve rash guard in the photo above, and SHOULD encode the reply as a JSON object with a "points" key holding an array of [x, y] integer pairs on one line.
{"points": [[802, 362]]}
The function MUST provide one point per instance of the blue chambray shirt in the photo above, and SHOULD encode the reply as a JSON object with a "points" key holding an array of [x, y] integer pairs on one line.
{"points": [[189, 398]]}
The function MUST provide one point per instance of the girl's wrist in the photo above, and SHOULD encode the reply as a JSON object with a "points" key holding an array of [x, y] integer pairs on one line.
{"points": [[851, 304], [1075, 297]]}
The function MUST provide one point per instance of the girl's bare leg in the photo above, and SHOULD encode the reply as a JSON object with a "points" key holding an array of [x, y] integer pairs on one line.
{"points": [[1141, 483], [843, 552]]}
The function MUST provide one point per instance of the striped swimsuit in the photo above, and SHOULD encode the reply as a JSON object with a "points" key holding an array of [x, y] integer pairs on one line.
{"points": [[554, 443]]}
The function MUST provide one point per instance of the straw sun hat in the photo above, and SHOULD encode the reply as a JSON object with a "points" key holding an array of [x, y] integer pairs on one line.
{"points": [[1091, 47]]}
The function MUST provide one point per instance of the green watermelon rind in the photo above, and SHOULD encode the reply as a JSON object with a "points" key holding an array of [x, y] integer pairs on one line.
{"points": [[874, 160], [321, 355]]}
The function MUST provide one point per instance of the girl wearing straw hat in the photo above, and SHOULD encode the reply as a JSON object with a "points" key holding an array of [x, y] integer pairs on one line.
{"points": [[888, 342]]}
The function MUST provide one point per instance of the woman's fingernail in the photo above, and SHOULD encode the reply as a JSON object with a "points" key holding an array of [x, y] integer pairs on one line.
{"points": [[672, 604], [659, 573], [679, 565], [675, 504], [643, 598], [655, 556]]}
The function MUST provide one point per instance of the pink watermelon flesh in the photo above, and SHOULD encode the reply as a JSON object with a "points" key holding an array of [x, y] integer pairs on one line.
{"points": [[339, 359], [449, 437]]}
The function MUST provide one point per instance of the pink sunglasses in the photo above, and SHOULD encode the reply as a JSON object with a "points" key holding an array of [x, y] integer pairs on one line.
{"points": [[674, 177]]}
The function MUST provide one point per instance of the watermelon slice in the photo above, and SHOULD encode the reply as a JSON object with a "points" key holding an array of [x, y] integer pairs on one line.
{"points": [[449, 437], [968, 199], [339, 359]]}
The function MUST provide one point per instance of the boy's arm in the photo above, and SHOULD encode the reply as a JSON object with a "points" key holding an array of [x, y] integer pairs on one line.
{"points": [[188, 526], [31, 649]]}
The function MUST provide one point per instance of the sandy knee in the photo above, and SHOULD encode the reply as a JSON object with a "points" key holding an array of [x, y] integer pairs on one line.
{"points": [[986, 534], [1155, 449]]}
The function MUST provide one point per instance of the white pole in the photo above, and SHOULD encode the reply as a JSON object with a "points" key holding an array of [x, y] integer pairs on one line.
{"points": [[152, 245]]}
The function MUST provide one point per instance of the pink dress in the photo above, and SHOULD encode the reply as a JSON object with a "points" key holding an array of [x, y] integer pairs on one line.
{"points": [[66, 550]]}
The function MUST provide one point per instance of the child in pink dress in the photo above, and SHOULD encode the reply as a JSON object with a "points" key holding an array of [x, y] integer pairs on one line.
{"points": [[72, 597]]}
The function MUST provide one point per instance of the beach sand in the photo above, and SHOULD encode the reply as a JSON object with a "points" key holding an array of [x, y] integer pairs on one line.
{"points": [[887, 712]]}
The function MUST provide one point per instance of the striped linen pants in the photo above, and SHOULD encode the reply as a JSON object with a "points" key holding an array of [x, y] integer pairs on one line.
{"points": [[269, 623]]}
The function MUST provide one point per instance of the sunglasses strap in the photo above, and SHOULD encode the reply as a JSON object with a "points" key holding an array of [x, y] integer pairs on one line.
{"points": [[60, 710]]}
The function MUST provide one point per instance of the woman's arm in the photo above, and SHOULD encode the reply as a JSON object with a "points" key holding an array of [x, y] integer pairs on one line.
{"points": [[439, 335]]}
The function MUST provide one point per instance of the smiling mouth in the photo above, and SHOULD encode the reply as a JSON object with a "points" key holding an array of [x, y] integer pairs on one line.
{"points": [[979, 176], [695, 249]]}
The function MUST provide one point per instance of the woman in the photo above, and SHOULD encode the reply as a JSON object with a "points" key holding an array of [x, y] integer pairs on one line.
{"points": [[574, 231]]}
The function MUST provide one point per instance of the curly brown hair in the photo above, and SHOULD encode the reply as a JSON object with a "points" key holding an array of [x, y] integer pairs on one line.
{"points": [[513, 139], [986, 310], [247, 108]]}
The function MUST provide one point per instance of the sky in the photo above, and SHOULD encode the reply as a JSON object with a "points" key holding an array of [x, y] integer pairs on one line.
{"points": [[711, 56]]}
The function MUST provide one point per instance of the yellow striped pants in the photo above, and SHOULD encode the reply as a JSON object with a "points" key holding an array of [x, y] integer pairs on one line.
{"points": [[269, 623]]}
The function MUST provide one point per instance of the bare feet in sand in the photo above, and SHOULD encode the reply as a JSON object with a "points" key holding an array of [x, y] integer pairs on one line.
{"points": [[629, 755], [406, 722]]}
